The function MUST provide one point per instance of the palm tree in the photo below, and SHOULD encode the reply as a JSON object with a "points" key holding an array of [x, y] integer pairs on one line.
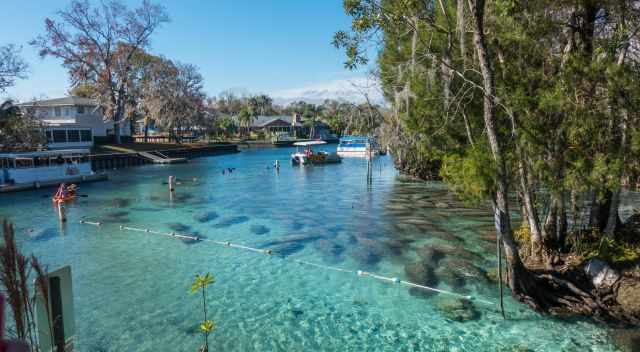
{"points": [[245, 118], [311, 113]]}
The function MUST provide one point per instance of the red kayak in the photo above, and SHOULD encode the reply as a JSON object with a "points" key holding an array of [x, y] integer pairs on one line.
{"points": [[69, 197]]}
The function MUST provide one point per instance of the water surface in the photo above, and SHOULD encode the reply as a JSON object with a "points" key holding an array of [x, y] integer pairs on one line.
{"points": [[131, 289]]}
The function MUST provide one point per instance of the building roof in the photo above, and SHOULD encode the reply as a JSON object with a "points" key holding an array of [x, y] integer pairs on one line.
{"points": [[275, 121], [66, 101], [262, 120]]}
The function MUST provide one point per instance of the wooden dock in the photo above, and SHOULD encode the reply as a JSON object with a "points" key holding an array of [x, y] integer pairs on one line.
{"points": [[159, 158], [113, 161]]}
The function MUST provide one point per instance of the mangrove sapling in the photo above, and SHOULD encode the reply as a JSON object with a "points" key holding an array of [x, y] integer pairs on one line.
{"points": [[200, 284]]}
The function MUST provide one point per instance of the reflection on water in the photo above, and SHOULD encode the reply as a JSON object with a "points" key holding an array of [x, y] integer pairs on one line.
{"points": [[130, 289]]}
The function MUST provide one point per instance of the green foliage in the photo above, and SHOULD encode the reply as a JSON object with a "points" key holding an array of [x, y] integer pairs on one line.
{"points": [[19, 131], [471, 175], [592, 244], [522, 235], [614, 252], [207, 326], [201, 282], [565, 106]]}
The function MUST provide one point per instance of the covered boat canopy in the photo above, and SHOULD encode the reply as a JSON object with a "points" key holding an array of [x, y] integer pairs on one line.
{"points": [[304, 144], [45, 153]]}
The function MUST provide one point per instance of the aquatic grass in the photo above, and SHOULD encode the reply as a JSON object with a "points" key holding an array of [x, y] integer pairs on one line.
{"points": [[15, 270]]}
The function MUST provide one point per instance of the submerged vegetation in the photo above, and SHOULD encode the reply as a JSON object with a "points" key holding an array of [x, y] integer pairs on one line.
{"points": [[536, 100]]}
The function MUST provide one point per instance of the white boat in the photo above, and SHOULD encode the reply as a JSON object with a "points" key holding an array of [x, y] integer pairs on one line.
{"points": [[308, 156], [45, 167], [358, 146]]}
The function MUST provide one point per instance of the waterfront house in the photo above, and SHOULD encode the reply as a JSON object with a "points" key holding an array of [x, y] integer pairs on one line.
{"points": [[291, 124], [74, 122]]}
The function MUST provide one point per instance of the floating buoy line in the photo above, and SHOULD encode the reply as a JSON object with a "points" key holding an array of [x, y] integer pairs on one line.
{"points": [[359, 273]]}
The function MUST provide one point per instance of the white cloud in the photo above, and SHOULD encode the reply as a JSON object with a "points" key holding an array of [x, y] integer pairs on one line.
{"points": [[353, 90]]}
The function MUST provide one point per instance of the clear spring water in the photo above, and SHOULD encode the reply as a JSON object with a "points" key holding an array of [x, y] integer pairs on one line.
{"points": [[131, 289]]}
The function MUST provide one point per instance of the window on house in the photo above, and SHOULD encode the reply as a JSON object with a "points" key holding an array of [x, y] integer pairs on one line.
{"points": [[85, 136], [66, 111], [59, 136], [73, 135], [80, 109], [57, 111], [49, 136]]}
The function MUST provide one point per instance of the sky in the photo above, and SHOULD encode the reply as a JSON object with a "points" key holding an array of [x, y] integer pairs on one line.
{"points": [[278, 47]]}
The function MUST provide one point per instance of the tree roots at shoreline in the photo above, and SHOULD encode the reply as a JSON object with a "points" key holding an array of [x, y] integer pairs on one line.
{"points": [[568, 290]]}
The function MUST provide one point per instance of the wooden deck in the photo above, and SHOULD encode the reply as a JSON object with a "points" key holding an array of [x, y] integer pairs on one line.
{"points": [[159, 158]]}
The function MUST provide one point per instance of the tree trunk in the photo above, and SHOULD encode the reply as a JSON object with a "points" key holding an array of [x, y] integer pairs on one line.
{"points": [[532, 212], [518, 275], [612, 219], [600, 211], [561, 233], [461, 32], [118, 115]]}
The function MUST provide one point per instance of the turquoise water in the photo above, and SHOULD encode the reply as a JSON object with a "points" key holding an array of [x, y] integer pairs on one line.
{"points": [[131, 289]]}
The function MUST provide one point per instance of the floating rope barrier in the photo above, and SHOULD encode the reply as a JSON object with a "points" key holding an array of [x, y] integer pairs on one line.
{"points": [[360, 273], [90, 223]]}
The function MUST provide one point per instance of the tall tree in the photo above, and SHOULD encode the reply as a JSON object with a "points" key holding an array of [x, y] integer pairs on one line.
{"points": [[12, 66], [97, 44], [172, 96]]}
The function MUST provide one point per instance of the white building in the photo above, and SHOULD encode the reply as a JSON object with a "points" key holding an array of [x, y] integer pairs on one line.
{"points": [[74, 122]]}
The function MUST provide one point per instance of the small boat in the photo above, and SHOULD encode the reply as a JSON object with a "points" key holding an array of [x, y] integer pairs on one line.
{"points": [[45, 167], [71, 195], [308, 156], [358, 146], [68, 198]]}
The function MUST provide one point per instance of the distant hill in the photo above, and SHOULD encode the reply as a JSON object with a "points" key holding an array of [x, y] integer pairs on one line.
{"points": [[351, 90]]}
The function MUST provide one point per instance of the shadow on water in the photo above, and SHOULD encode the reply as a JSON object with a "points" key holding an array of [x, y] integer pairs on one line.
{"points": [[206, 216], [230, 221], [259, 229], [43, 234]]}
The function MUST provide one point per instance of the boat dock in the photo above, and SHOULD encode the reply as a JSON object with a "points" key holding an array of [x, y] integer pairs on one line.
{"points": [[159, 158], [162, 157]]}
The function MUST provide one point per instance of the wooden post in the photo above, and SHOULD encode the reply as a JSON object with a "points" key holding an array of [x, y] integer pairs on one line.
{"points": [[62, 216]]}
